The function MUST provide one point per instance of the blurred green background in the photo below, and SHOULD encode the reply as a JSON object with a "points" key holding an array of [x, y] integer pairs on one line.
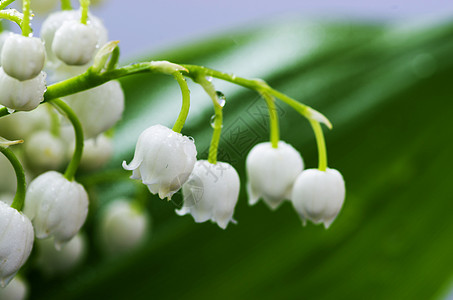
{"points": [[387, 91]]}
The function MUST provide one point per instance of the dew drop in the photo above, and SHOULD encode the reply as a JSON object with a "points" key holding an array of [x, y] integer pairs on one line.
{"points": [[213, 122], [221, 98], [209, 78]]}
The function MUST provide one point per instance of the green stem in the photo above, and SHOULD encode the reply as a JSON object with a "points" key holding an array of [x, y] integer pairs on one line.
{"points": [[26, 30], [218, 117], [322, 153], [258, 85], [5, 3], [77, 156], [273, 119], [185, 102], [19, 198], [84, 5], [12, 15], [66, 5]]}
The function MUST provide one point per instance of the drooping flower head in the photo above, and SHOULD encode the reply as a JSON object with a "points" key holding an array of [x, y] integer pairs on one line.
{"points": [[163, 160], [57, 207], [211, 193], [16, 242], [271, 172], [318, 195]]}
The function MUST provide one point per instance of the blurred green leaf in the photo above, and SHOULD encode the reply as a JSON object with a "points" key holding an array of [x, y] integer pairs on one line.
{"points": [[387, 91]]}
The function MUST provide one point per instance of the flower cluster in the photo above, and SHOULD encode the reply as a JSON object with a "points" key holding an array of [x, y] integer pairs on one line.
{"points": [[68, 124]]}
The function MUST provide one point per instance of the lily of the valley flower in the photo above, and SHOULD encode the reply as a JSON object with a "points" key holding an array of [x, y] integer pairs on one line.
{"points": [[163, 160], [75, 43], [57, 207], [211, 193], [21, 95], [98, 109], [16, 242], [23, 57], [122, 227], [318, 195], [271, 172], [53, 261]]}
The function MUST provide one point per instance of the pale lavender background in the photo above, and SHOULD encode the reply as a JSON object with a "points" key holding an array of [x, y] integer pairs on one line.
{"points": [[155, 24]]}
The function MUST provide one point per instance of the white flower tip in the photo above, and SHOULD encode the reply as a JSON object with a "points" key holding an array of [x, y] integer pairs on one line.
{"points": [[167, 67], [5, 280], [317, 116]]}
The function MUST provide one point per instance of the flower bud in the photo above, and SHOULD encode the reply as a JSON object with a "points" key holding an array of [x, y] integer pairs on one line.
{"points": [[57, 207], [122, 227], [16, 242], [23, 57], [44, 151], [55, 20], [163, 160], [75, 43], [271, 172], [211, 193], [21, 95], [53, 261], [17, 289], [318, 195], [99, 108]]}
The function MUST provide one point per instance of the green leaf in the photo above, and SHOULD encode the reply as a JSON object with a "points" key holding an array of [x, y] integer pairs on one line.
{"points": [[387, 91]]}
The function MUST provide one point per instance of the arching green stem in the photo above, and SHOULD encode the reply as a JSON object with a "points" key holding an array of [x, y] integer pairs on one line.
{"points": [[78, 150], [185, 102], [260, 85], [273, 119], [66, 5], [12, 15], [322, 153], [5, 3], [84, 6], [218, 117], [19, 198], [26, 30]]}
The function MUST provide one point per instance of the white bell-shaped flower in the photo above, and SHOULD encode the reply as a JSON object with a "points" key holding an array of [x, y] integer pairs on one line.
{"points": [[271, 172], [52, 261], [55, 20], [99, 108], [45, 151], [23, 57], [123, 227], [16, 242], [163, 160], [211, 193], [17, 289], [318, 196], [21, 95], [56, 206], [75, 43]]}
